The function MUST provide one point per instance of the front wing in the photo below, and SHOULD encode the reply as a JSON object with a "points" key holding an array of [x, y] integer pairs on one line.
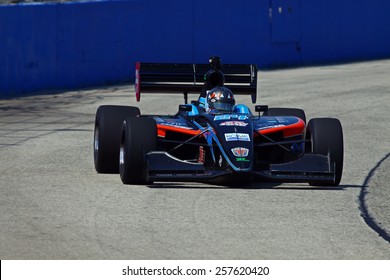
{"points": [[161, 166]]}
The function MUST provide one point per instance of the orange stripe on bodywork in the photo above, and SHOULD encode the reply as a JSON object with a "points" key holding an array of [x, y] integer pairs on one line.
{"points": [[162, 129], [288, 130]]}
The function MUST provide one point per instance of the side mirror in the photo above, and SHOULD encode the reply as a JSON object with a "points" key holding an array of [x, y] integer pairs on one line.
{"points": [[261, 108], [185, 108]]}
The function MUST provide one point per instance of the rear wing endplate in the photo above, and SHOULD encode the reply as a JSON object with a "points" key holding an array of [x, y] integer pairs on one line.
{"points": [[189, 78]]}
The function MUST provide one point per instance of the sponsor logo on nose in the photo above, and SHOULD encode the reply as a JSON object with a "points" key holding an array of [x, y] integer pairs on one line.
{"points": [[240, 152]]}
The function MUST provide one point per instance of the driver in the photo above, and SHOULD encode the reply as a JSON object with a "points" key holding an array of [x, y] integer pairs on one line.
{"points": [[220, 99]]}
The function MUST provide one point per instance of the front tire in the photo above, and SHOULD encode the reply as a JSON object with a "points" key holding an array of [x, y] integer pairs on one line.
{"points": [[138, 137], [108, 125], [325, 136]]}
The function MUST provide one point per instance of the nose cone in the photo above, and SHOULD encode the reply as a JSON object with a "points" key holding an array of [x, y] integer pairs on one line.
{"points": [[236, 136]]}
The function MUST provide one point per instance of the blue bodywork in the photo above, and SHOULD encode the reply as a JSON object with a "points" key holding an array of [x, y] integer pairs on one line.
{"points": [[229, 144]]}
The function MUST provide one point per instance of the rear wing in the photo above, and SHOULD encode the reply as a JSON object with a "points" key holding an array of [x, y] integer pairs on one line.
{"points": [[189, 78]]}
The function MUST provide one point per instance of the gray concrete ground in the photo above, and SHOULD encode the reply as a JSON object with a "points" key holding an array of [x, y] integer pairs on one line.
{"points": [[53, 205]]}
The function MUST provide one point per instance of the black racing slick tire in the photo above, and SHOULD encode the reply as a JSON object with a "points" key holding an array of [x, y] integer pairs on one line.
{"points": [[286, 112], [138, 137], [108, 125], [325, 136]]}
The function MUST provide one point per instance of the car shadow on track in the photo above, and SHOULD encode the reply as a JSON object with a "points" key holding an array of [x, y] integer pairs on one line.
{"points": [[256, 185]]}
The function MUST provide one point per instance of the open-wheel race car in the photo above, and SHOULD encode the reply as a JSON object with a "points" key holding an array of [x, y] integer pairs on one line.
{"points": [[212, 139]]}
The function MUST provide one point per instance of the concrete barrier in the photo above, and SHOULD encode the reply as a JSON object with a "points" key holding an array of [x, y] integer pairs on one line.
{"points": [[72, 45]]}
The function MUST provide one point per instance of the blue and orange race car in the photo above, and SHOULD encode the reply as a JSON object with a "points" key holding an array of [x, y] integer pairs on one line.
{"points": [[212, 139]]}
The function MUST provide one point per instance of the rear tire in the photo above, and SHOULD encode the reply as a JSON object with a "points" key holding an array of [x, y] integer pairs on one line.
{"points": [[138, 137], [108, 125], [286, 112], [326, 136]]}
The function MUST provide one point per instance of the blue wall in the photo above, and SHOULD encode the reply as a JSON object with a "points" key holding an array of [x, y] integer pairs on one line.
{"points": [[345, 30], [73, 45]]}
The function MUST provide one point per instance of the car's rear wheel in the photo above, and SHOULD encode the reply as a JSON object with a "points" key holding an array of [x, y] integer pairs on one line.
{"points": [[325, 136], [108, 125], [138, 137], [286, 112]]}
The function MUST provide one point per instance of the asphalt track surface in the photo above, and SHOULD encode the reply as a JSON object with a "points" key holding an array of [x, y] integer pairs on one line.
{"points": [[54, 205]]}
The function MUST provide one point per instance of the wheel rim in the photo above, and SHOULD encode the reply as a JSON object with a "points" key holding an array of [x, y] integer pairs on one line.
{"points": [[96, 143], [122, 157]]}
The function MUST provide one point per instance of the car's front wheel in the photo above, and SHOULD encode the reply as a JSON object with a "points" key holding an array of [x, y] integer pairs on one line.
{"points": [[325, 136], [138, 137], [108, 125]]}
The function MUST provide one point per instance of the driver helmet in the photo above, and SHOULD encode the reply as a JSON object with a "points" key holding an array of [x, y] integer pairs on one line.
{"points": [[221, 99]]}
